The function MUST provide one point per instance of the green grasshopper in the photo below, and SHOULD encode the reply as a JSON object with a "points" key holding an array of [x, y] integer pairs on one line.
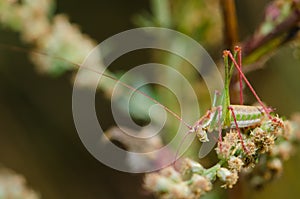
{"points": [[223, 115]]}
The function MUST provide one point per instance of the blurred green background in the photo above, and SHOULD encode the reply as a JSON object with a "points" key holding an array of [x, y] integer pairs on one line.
{"points": [[38, 138]]}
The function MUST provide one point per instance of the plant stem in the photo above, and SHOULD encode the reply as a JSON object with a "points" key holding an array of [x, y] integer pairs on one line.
{"points": [[230, 23]]}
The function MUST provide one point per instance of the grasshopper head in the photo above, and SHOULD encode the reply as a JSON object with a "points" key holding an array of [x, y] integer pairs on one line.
{"points": [[201, 133]]}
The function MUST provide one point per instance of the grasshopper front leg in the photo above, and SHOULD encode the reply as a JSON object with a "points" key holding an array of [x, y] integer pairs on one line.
{"points": [[200, 127]]}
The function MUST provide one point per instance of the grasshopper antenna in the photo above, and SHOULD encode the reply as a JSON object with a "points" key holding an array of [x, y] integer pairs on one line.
{"points": [[24, 50], [176, 157]]}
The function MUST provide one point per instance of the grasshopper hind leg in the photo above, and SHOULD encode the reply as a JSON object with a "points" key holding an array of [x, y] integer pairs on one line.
{"points": [[238, 129]]}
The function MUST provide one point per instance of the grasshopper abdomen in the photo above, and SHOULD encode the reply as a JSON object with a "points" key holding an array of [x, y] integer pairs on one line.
{"points": [[246, 116]]}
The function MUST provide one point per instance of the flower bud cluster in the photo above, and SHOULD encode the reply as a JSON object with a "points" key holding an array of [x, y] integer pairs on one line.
{"points": [[190, 182], [270, 163], [54, 34], [267, 146], [13, 185]]}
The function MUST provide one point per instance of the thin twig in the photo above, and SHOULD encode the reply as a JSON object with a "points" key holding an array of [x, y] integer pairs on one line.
{"points": [[258, 48]]}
